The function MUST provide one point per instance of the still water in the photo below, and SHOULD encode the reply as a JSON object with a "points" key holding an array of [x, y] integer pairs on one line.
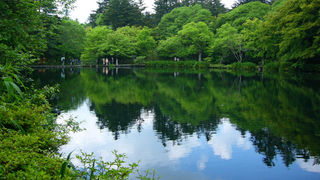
{"points": [[194, 125]]}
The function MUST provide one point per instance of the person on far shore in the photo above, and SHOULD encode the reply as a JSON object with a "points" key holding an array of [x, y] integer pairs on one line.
{"points": [[62, 60]]}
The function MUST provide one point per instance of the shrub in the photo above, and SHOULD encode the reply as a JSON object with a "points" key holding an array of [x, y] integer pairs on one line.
{"points": [[140, 60], [30, 138], [247, 66], [177, 64]]}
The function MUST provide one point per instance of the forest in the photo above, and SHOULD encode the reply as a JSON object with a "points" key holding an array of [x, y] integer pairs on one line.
{"points": [[278, 34], [282, 34]]}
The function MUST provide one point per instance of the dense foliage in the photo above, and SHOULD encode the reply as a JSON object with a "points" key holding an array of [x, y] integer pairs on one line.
{"points": [[280, 34], [283, 34]]}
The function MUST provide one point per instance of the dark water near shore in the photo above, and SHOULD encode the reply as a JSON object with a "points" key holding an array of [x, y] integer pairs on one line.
{"points": [[195, 125]]}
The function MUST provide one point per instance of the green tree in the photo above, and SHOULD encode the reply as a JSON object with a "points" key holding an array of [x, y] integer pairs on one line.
{"points": [[171, 47], [163, 7], [72, 38], [145, 42], [21, 32], [119, 13], [241, 2], [251, 38], [214, 6], [26, 27], [121, 44], [228, 40], [94, 40], [196, 36], [292, 32], [173, 22], [102, 5], [239, 15]]}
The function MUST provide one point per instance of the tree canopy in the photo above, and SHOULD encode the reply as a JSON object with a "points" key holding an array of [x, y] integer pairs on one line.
{"points": [[172, 22], [196, 36], [119, 13], [239, 15], [292, 32]]}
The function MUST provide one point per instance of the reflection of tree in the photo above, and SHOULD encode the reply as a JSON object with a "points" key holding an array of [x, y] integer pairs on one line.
{"points": [[269, 145], [185, 105], [117, 117], [281, 113], [168, 130], [72, 93]]}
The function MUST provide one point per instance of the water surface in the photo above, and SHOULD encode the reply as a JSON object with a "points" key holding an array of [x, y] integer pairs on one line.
{"points": [[195, 125]]}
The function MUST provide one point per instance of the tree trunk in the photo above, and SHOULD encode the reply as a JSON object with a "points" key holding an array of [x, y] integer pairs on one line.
{"points": [[200, 55]]}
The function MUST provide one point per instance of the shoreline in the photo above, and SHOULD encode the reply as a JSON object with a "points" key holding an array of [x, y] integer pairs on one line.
{"points": [[77, 66]]}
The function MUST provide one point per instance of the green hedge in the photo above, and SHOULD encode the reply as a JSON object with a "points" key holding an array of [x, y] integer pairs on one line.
{"points": [[247, 66], [178, 64]]}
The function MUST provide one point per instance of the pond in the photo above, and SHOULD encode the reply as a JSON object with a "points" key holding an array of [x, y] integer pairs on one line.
{"points": [[194, 125]]}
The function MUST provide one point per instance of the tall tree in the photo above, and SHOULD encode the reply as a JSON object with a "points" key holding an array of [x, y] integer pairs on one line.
{"points": [[102, 5], [21, 31], [163, 7], [171, 47], [145, 42], [72, 38], [214, 6], [292, 32], [241, 2], [121, 44], [172, 22], [239, 15], [24, 26], [228, 40], [95, 38], [196, 36], [121, 13]]}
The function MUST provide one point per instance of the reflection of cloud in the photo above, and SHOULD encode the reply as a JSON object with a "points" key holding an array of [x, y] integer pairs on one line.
{"points": [[226, 137], [141, 146], [201, 164], [308, 166], [177, 152]]}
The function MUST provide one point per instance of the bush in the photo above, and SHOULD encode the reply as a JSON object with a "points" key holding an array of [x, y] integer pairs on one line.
{"points": [[290, 67], [140, 60], [30, 138], [92, 168], [247, 66], [177, 64]]}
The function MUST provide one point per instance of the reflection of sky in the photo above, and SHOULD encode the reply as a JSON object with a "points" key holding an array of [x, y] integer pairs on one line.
{"points": [[226, 137], [309, 166], [228, 155]]}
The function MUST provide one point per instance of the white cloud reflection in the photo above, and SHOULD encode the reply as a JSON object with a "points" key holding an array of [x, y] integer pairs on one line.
{"points": [[201, 164], [226, 137], [144, 146], [309, 166]]}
